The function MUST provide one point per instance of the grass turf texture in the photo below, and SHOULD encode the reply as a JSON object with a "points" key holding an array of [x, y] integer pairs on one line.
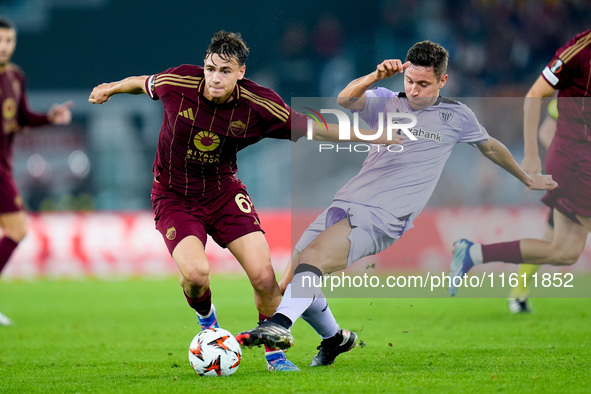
{"points": [[133, 336]]}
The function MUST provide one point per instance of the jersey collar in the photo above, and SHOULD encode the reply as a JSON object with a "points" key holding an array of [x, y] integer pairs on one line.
{"points": [[439, 98]]}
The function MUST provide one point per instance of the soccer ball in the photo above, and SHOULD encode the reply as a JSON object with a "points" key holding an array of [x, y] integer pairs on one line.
{"points": [[215, 352]]}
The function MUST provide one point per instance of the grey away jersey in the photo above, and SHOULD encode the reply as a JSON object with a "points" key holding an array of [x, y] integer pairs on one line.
{"points": [[402, 182]]}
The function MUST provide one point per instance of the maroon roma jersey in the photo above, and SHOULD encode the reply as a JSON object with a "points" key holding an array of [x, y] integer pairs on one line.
{"points": [[199, 139], [570, 73], [15, 115]]}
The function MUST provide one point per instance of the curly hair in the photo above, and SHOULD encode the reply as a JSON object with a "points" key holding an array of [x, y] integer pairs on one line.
{"points": [[429, 54], [228, 46]]}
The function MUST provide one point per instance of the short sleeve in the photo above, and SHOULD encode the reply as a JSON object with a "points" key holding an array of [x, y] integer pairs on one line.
{"points": [[472, 131], [172, 79], [554, 72], [158, 90], [376, 101], [565, 65], [299, 125]]}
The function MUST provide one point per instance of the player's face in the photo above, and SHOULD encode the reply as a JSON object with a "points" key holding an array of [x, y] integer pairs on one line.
{"points": [[221, 77], [7, 45], [422, 86]]}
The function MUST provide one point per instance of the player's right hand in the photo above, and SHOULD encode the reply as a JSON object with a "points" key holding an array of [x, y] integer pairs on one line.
{"points": [[100, 94], [541, 182], [390, 67]]}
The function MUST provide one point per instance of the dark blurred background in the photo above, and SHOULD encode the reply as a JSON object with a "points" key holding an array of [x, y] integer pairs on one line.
{"points": [[300, 49]]}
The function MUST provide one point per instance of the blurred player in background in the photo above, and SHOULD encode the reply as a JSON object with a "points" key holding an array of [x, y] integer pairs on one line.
{"points": [[377, 206], [518, 298], [16, 116], [568, 160], [210, 113]]}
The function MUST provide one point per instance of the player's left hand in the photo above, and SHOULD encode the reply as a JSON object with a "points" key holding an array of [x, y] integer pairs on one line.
{"points": [[541, 182], [60, 113]]}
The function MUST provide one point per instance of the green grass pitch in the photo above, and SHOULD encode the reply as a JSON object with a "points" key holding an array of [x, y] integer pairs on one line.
{"points": [[132, 336]]}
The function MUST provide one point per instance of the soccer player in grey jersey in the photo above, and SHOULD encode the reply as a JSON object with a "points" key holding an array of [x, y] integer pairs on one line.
{"points": [[378, 205]]}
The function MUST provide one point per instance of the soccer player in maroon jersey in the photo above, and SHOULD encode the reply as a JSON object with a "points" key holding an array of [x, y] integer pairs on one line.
{"points": [[518, 296], [568, 160], [210, 113], [15, 116]]}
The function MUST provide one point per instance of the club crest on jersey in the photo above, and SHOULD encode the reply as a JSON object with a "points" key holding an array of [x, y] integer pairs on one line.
{"points": [[206, 141], [171, 234], [445, 115], [237, 127], [556, 66]]}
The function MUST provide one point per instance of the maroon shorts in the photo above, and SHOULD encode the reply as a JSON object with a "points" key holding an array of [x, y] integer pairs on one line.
{"points": [[569, 163], [10, 199], [225, 214]]}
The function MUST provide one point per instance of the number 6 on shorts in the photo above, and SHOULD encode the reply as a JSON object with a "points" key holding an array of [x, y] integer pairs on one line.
{"points": [[243, 202]]}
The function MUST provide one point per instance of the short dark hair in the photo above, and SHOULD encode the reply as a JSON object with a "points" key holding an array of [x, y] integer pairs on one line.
{"points": [[429, 54], [228, 46], [6, 24]]}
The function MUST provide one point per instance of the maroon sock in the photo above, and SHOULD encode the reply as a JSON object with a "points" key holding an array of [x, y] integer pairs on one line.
{"points": [[202, 304], [507, 252], [7, 246], [264, 318]]}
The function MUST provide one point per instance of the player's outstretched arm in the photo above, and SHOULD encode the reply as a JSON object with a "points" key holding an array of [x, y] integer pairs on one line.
{"points": [[532, 164], [353, 95], [103, 92], [500, 155], [332, 133]]}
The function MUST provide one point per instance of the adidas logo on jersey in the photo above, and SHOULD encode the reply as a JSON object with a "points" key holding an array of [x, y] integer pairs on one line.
{"points": [[188, 113]]}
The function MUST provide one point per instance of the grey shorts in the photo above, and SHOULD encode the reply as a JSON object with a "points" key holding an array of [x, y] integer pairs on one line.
{"points": [[373, 229]]}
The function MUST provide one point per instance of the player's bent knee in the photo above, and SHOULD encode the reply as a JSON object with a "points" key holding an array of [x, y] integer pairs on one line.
{"points": [[264, 281], [195, 277]]}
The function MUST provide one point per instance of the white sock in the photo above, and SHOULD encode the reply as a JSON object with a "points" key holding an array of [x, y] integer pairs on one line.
{"points": [[211, 310], [299, 295], [319, 316], [272, 352], [476, 253]]}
